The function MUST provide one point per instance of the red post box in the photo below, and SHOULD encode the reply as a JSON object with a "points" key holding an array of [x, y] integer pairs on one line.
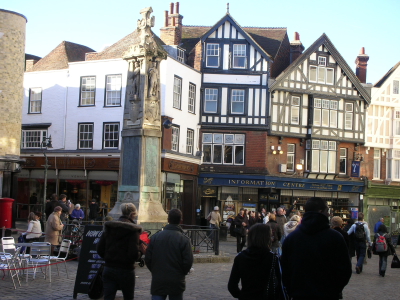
{"points": [[6, 212]]}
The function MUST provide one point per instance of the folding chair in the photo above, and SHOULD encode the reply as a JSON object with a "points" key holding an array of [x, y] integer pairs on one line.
{"points": [[62, 255], [8, 245], [40, 258], [8, 262]]}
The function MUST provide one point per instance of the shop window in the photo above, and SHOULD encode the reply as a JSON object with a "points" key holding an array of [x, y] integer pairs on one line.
{"points": [[227, 149]]}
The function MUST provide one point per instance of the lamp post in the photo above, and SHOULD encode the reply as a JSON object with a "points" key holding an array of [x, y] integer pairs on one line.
{"points": [[46, 143]]}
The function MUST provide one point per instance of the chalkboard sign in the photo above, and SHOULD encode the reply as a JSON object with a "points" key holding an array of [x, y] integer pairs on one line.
{"points": [[89, 260]]}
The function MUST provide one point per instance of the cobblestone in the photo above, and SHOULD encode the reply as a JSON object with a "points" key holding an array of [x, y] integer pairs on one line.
{"points": [[207, 281]]}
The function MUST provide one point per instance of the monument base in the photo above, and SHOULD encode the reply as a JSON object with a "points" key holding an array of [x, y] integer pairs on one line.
{"points": [[152, 211]]}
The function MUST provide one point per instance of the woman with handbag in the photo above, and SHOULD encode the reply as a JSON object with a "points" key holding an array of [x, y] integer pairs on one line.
{"points": [[257, 268], [240, 229], [382, 231]]}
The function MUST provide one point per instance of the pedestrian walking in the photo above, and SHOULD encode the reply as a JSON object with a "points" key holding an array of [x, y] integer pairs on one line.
{"points": [[169, 258], [383, 247], [119, 247], [276, 233], [352, 251], [291, 225], [54, 227], [252, 266], [361, 237], [379, 223], [240, 228], [315, 260], [336, 224]]}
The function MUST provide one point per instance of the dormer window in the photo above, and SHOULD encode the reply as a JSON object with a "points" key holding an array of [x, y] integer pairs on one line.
{"points": [[239, 56], [321, 73], [321, 61], [212, 55], [180, 56]]}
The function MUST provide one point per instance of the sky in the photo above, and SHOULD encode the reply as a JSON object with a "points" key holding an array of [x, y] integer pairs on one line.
{"points": [[350, 24]]}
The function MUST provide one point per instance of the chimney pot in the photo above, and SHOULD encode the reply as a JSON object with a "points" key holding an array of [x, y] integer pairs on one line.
{"points": [[362, 51], [296, 36], [177, 7], [361, 65], [171, 8]]}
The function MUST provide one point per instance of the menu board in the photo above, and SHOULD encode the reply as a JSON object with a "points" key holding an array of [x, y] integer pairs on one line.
{"points": [[89, 260]]}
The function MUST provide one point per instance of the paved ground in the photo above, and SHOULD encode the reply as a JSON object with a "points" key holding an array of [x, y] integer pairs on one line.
{"points": [[208, 281]]}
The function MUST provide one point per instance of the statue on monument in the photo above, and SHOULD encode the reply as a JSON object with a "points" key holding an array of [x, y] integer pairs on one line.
{"points": [[153, 80], [134, 81]]}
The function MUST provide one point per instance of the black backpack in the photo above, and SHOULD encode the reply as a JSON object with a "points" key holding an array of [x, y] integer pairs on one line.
{"points": [[359, 233]]}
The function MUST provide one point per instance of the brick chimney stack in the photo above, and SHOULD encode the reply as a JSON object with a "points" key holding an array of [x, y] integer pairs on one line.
{"points": [[29, 64], [296, 47], [171, 33], [361, 65]]}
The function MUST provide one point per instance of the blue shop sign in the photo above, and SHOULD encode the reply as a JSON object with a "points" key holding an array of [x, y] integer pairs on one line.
{"points": [[355, 169], [249, 205]]}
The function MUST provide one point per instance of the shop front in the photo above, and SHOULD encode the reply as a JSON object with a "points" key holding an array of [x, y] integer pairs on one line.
{"points": [[255, 192]]}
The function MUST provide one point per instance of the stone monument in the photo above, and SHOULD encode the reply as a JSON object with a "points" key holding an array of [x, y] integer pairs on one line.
{"points": [[140, 163]]}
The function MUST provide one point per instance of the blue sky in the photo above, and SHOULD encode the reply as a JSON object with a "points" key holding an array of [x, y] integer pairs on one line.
{"points": [[350, 24]]}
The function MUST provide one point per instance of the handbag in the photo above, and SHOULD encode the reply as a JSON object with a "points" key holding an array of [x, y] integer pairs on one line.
{"points": [[96, 286], [369, 252], [275, 289], [395, 262]]}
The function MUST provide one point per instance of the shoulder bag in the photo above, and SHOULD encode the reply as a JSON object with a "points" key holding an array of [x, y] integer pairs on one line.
{"points": [[395, 262], [96, 286], [275, 289]]}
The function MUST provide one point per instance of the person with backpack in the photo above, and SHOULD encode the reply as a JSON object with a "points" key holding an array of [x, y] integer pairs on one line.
{"points": [[383, 247], [361, 236]]}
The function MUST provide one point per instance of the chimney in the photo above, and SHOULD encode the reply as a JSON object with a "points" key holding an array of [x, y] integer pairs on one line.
{"points": [[171, 33], [29, 64], [296, 47], [361, 65]]}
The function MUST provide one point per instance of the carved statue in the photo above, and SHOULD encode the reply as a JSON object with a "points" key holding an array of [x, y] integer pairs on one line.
{"points": [[134, 82], [153, 80], [152, 111], [145, 24]]}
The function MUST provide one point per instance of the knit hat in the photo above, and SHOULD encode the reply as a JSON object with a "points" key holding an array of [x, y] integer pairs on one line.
{"points": [[216, 208]]}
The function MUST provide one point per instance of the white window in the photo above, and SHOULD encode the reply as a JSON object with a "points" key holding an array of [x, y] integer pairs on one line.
{"points": [[290, 157], [85, 136], [192, 98], [397, 122], [321, 158], [239, 56], [321, 61], [377, 163], [33, 138], [113, 90], [227, 149], [343, 161], [35, 101], [189, 141], [395, 86], [175, 138], [317, 112], [237, 102], [88, 87], [325, 113], [210, 100], [321, 74], [212, 55], [180, 55], [177, 92], [348, 116], [295, 110], [396, 164], [313, 74], [111, 135]]}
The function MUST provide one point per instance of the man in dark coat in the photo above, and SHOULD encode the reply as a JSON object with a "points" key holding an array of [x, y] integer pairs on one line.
{"points": [[240, 228], [315, 261], [50, 206], [62, 202], [119, 246], [169, 258]]}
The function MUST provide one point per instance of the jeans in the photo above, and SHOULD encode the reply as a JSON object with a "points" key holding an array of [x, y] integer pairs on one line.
{"points": [[240, 242], [211, 235], [118, 279], [361, 249], [382, 262], [170, 297]]}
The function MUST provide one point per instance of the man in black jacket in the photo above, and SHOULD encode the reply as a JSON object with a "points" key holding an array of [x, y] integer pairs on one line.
{"points": [[315, 260], [169, 258]]}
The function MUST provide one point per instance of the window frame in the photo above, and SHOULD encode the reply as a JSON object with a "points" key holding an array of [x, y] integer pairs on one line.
{"points": [[113, 132], [291, 156], [327, 111], [43, 133], [348, 117], [216, 100], [343, 157], [90, 141], [245, 56], [396, 88], [321, 156], [175, 137], [90, 91], [192, 98], [228, 145], [177, 93], [321, 71], [293, 108], [106, 91], [231, 101], [180, 55], [377, 164], [35, 101], [207, 55], [189, 140]]}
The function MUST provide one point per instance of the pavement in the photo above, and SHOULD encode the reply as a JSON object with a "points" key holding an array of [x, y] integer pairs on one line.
{"points": [[207, 281]]}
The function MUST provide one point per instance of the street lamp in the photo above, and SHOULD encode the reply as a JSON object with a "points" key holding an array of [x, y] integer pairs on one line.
{"points": [[44, 145]]}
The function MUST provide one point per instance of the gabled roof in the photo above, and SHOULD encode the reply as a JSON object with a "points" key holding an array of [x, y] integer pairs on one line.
{"points": [[63, 54], [118, 49], [31, 56], [386, 76], [324, 40], [267, 39]]}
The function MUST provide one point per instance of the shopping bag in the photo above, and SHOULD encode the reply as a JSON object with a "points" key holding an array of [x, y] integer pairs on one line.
{"points": [[395, 262]]}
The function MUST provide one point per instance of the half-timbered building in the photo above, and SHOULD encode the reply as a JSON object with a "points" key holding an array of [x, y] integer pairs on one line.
{"points": [[316, 129]]}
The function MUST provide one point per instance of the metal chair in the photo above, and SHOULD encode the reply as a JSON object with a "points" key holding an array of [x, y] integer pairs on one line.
{"points": [[8, 245], [40, 258], [8, 262], [62, 255]]}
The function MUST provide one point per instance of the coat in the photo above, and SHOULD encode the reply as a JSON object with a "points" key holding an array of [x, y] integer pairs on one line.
{"points": [[215, 218], [34, 230], [169, 258], [251, 267], [290, 227], [119, 244], [352, 248], [344, 234], [50, 207], [238, 224], [276, 233], [390, 248], [315, 260], [53, 233]]}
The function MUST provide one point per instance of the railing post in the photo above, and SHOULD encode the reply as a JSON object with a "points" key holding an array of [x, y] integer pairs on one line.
{"points": [[216, 241]]}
